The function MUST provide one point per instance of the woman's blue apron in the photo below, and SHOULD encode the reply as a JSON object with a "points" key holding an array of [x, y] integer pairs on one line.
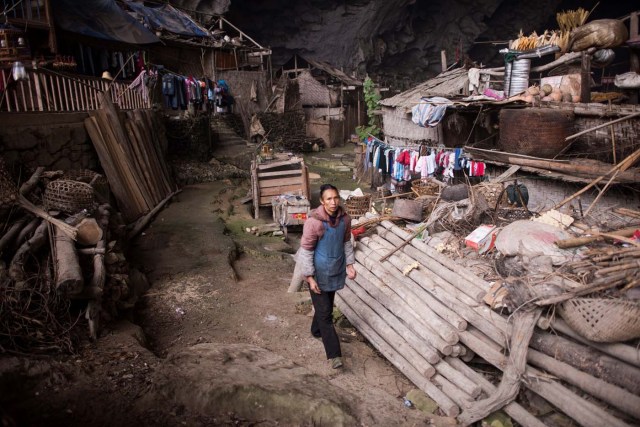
{"points": [[329, 260]]}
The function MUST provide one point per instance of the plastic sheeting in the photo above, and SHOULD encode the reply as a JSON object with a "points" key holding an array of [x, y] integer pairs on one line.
{"points": [[168, 18], [102, 19]]}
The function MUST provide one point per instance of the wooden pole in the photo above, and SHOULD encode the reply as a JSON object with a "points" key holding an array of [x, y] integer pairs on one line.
{"points": [[622, 166], [513, 409], [443, 60], [377, 323], [395, 304], [507, 391], [442, 328], [444, 402], [589, 360]]}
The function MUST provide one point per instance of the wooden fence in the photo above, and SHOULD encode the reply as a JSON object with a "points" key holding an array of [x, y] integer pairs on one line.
{"points": [[52, 92]]}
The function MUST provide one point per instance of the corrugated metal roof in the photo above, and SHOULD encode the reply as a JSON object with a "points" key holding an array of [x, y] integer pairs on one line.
{"points": [[446, 84]]}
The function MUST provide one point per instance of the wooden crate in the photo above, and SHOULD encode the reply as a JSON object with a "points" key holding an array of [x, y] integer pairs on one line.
{"points": [[276, 177]]}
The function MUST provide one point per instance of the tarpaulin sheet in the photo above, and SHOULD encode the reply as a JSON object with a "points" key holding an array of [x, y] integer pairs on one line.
{"points": [[168, 18], [102, 19]]}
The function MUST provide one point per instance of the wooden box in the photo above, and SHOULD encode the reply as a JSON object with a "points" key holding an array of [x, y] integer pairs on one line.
{"points": [[279, 176]]}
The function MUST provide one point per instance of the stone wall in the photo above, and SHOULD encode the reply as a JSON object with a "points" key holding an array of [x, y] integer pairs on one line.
{"points": [[56, 141]]}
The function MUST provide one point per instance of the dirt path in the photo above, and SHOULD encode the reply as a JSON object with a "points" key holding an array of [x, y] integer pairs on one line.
{"points": [[220, 341]]}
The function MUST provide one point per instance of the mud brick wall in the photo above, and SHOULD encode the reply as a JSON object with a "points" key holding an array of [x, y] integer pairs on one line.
{"points": [[55, 141]]}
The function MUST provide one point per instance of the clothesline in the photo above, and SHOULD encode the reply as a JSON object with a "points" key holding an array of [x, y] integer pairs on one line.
{"points": [[408, 146]]}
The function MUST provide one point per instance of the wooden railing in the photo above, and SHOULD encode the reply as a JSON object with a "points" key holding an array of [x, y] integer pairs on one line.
{"points": [[52, 92]]}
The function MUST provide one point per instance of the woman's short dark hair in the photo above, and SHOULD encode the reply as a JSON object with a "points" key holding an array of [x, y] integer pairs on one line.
{"points": [[326, 187]]}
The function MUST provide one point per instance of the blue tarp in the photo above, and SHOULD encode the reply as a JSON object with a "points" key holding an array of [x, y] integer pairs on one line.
{"points": [[102, 19], [168, 18]]}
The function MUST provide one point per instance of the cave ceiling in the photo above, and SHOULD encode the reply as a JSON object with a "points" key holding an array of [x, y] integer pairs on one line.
{"points": [[401, 39]]}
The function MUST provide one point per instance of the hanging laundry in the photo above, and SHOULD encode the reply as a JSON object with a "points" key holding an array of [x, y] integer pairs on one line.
{"points": [[430, 111]]}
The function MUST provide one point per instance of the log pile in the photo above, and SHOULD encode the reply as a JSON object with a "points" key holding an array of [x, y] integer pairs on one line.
{"points": [[44, 268], [288, 131], [426, 316], [128, 146]]}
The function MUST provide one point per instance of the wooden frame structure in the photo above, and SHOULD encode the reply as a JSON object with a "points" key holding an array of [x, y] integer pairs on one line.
{"points": [[277, 177]]}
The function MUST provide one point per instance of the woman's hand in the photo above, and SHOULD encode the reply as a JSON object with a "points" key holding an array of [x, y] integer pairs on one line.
{"points": [[351, 272], [313, 285]]}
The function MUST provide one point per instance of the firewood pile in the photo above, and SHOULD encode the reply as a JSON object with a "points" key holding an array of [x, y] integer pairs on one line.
{"points": [[429, 318], [288, 131], [61, 262], [191, 172]]}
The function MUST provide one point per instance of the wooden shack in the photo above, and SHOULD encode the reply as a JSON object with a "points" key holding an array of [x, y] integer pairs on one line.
{"points": [[454, 128], [332, 101]]}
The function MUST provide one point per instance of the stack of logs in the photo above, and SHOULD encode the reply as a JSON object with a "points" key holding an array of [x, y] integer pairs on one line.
{"points": [[130, 154], [426, 316], [288, 131], [47, 262]]}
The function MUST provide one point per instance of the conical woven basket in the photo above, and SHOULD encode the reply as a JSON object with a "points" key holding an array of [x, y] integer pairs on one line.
{"points": [[602, 319]]}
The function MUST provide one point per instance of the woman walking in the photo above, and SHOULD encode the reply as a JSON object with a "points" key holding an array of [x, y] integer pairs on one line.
{"points": [[327, 260]]}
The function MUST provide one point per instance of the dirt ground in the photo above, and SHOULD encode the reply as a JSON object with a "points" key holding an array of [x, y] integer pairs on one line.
{"points": [[217, 340]]}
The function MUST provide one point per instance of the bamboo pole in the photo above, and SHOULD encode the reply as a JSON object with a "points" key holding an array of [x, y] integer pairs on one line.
{"points": [[479, 315]]}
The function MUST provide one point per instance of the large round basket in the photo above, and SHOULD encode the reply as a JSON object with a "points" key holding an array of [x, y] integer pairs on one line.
{"points": [[425, 187], [357, 206], [601, 319], [68, 196], [539, 132]]}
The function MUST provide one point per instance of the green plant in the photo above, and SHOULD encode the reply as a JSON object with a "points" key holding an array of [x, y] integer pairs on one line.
{"points": [[371, 99]]}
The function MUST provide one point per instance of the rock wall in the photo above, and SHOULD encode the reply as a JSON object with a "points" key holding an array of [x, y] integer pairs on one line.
{"points": [[56, 141], [398, 41]]}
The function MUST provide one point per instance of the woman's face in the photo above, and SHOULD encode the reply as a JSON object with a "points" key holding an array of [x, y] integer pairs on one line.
{"points": [[330, 199]]}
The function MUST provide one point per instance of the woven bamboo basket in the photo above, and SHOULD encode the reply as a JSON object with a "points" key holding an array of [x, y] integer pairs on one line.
{"points": [[100, 184], [425, 187], [601, 319], [357, 206], [491, 192], [68, 196]]}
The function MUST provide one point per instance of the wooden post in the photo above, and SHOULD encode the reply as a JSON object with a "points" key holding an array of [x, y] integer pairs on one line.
{"points": [[585, 78], [443, 60], [634, 57]]}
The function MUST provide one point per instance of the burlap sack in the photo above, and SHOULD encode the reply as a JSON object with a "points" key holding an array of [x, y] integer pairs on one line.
{"points": [[601, 33]]}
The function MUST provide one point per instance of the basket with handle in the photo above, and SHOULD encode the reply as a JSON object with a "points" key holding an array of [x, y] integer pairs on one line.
{"points": [[68, 196], [603, 319], [425, 187], [357, 206]]}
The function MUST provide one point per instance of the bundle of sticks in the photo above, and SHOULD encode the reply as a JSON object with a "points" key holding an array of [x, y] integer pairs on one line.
{"points": [[424, 314], [616, 269]]}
